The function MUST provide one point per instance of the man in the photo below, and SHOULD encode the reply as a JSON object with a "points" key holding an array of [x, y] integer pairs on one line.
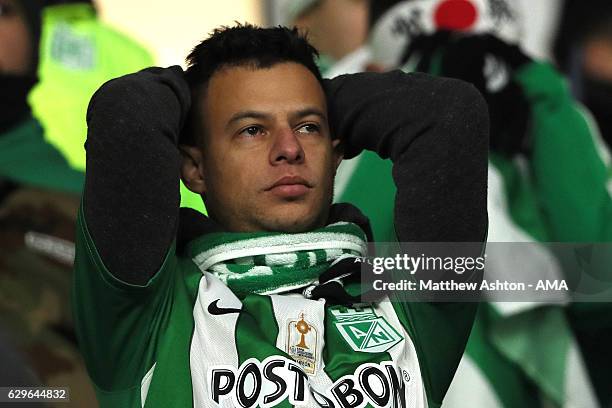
{"points": [[247, 307]]}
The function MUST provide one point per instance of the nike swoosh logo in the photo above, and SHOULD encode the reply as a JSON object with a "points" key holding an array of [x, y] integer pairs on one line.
{"points": [[213, 309]]}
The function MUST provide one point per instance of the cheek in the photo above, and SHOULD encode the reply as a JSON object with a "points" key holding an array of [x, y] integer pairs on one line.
{"points": [[324, 165], [230, 176]]}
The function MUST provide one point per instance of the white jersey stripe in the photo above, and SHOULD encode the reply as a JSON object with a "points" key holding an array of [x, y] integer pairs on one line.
{"points": [[288, 308], [213, 342], [404, 355], [145, 384]]}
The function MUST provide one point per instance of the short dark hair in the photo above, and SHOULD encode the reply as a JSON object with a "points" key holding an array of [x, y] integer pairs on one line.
{"points": [[246, 45]]}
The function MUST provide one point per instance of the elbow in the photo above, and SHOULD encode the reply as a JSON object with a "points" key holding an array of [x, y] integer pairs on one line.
{"points": [[454, 107], [115, 99], [153, 100], [117, 118]]}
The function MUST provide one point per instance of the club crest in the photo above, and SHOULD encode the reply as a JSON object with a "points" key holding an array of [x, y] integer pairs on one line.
{"points": [[364, 331]]}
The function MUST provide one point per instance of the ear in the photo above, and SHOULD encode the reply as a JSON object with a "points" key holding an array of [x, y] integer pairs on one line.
{"points": [[192, 172], [338, 152]]}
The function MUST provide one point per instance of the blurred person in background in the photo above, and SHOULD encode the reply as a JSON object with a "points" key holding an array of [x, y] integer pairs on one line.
{"points": [[16, 78], [548, 181], [583, 51], [337, 28], [78, 53], [54, 54], [39, 198]]}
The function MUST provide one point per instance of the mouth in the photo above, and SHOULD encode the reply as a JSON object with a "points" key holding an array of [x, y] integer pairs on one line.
{"points": [[290, 187]]}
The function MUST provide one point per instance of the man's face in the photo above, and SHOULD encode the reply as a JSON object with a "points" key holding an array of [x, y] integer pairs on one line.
{"points": [[268, 161], [15, 47]]}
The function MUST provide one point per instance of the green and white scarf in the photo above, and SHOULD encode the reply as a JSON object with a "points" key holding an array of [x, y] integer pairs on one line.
{"points": [[268, 263]]}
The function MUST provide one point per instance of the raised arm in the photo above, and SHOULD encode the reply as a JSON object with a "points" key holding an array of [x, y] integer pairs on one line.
{"points": [[435, 130], [131, 199]]}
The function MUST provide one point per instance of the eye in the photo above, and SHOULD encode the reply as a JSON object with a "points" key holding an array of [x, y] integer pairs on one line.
{"points": [[309, 128], [252, 131]]}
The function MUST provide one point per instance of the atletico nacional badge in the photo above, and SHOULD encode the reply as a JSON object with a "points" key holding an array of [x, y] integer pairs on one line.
{"points": [[302, 343], [364, 331]]}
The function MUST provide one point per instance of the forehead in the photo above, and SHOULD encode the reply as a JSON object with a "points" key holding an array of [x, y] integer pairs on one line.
{"points": [[283, 87]]}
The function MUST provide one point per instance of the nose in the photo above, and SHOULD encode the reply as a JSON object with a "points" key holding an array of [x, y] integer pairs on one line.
{"points": [[287, 148]]}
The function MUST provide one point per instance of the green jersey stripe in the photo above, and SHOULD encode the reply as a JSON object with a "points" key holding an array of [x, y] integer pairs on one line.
{"points": [[339, 353], [256, 329]]}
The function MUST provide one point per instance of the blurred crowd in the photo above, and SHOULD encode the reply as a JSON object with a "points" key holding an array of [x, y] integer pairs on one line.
{"points": [[53, 56], [550, 177]]}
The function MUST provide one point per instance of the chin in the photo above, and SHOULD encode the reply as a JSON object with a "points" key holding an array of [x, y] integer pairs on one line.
{"points": [[294, 221], [291, 225]]}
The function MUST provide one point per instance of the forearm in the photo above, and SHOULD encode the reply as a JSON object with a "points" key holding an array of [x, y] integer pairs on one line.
{"points": [[435, 130], [131, 197]]}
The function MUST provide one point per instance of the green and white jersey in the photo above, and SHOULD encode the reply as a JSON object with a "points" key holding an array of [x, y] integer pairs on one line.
{"points": [[186, 340]]}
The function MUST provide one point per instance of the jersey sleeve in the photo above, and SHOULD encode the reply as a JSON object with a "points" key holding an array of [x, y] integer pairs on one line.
{"points": [[118, 324], [133, 169]]}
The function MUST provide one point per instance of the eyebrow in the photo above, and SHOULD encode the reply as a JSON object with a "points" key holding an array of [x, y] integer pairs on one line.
{"points": [[307, 112], [251, 114]]}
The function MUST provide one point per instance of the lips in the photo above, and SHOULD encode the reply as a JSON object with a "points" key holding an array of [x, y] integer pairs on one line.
{"points": [[290, 187]]}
